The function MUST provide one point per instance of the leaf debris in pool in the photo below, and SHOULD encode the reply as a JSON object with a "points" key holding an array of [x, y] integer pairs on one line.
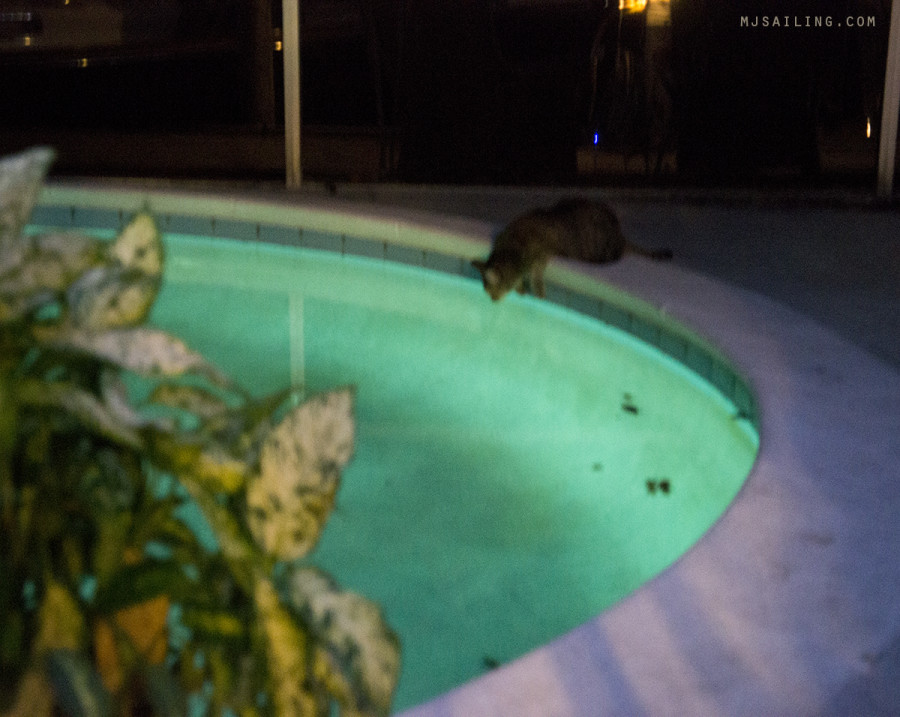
{"points": [[663, 485]]}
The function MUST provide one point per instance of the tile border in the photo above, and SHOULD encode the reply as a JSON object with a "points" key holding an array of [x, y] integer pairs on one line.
{"points": [[395, 239]]}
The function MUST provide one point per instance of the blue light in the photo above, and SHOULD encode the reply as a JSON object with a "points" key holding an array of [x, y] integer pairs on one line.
{"points": [[596, 138]]}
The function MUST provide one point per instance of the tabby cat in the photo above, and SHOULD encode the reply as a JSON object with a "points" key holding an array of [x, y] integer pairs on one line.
{"points": [[573, 228]]}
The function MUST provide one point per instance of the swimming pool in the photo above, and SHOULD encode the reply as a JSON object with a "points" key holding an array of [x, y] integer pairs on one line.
{"points": [[519, 467]]}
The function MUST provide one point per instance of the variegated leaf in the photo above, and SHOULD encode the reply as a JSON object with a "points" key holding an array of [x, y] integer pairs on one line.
{"points": [[286, 653], [21, 177], [139, 246], [83, 405], [72, 251], [194, 399], [112, 296], [213, 466], [144, 350], [233, 542], [122, 291], [47, 261], [300, 468], [355, 650], [114, 393]]}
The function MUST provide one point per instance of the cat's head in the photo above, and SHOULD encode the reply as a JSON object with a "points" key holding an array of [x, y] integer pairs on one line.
{"points": [[495, 283]]}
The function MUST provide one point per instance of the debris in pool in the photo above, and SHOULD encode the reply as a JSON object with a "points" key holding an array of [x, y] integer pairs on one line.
{"points": [[597, 467], [628, 404], [490, 663], [663, 485]]}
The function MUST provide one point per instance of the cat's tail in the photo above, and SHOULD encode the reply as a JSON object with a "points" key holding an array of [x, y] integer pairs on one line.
{"points": [[657, 254]]}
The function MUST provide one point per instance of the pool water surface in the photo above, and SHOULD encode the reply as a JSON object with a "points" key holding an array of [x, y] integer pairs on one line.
{"points": [[519, 467]]}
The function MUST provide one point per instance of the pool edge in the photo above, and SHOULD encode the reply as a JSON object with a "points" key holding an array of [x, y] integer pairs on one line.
{"points": [[446, 244]]}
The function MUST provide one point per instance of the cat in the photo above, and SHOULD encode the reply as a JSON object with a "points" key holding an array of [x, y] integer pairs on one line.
{"points": [[573, 228]]}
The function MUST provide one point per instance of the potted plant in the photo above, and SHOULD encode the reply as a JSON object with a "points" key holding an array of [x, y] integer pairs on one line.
{"points": [[110, 429]]}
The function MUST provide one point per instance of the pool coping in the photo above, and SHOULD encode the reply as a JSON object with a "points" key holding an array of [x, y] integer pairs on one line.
{"points": [[419, 240], [788, 605]]}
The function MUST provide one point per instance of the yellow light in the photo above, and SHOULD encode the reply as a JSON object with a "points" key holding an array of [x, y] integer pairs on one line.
{"points": [[277, 45], [83, 62], [868, 128], [27, 40], [630, 6]]}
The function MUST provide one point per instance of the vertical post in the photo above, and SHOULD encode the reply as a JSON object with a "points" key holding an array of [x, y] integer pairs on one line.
{"points": [[887, 147], [290, 29]]}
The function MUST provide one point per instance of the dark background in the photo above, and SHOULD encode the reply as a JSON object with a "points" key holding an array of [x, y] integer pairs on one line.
{"points": [[457, 91]]}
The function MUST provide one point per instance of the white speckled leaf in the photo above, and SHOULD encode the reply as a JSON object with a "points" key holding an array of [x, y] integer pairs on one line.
{"points": [[121, 292], [110, 296], [21, 177], [147, 351], [47, 261], [35, 269], [300, 467], [139, 246], [355, 650]]}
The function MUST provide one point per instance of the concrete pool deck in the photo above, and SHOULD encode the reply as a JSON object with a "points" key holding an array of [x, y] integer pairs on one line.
{"points": [[790, 605]]}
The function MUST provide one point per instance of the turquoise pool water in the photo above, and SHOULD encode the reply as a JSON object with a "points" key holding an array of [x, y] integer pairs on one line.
{"points": [[519, 467]]}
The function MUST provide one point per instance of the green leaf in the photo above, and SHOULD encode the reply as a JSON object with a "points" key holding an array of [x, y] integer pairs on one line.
{"points": [[244, 427], [61, 625], [210, 464], [213, 624], [300, 468], [167, 698], [235, 545], [287, 650], [112, 540], [13, 646], [82, 405], [137, 583], [21, 177], [109, 482], [155, 521], [355, 649]]}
